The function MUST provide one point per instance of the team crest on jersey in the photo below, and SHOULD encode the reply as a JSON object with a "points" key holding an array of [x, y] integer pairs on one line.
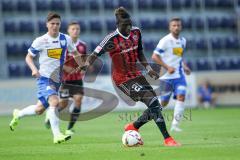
{"points": [[63, 42], [135, 37], [54, 53]]}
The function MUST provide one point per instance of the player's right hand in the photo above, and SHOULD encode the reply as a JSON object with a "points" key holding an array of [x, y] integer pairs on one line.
{"points": [[36, 74], [170, 70]]}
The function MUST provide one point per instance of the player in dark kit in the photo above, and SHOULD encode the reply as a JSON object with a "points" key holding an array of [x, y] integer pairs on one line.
{"points": [[125, 48]]}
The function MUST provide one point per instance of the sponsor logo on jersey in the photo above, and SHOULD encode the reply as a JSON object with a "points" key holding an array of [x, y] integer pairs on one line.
{"points": [[178, 51], [54, 53]]}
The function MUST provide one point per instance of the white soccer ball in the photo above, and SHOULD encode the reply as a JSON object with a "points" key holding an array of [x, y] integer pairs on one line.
{"points": [[132, 138]]}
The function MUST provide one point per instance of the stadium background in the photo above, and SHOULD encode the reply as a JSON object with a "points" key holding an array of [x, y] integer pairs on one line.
{"points": [[211, 27]]}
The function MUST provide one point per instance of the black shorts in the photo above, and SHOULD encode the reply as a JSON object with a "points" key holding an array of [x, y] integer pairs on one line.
{"points": [[70, 88], [136, 88]]}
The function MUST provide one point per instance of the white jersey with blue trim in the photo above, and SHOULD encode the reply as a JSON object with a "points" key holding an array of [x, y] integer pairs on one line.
{"points": [[171, 51], [52, 53]]}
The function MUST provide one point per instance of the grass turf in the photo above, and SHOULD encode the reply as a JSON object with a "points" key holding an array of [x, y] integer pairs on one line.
{"points": [[207, 135]]}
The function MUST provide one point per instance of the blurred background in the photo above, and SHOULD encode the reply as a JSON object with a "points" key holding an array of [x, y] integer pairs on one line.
{"points": [[211, 27]]}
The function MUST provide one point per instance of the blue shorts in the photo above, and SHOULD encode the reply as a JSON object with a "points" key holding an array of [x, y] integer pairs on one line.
{"points": [[45, 88], [178, 86]]}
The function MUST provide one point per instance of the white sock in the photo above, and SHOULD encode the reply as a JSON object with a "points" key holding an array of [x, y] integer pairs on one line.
{"points": [[54, 121], [178, 112], [28, 111]]}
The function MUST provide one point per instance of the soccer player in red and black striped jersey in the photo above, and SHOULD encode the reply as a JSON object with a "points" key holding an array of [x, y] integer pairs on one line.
{"points": [[72, 83], [125, 48]]}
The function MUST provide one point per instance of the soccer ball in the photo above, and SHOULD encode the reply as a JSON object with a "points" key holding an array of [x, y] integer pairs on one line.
{"points": [[132, 138]]}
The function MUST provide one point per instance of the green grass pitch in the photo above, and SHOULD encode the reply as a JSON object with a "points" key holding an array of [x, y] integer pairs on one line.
{"points": [[208, 135]]}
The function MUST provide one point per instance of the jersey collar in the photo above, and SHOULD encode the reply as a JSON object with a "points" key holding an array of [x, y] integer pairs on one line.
{"points": [[122, 35]]}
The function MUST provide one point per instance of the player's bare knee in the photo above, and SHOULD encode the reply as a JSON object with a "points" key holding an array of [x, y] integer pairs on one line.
{"points": [[53, 101], [39, 110], [78, 100]]}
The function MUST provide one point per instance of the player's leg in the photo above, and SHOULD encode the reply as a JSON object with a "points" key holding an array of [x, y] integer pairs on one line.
{"points": [[154, 111], [75, 113], [179, 95], [27, 111], [53, 101], [63, 103]]}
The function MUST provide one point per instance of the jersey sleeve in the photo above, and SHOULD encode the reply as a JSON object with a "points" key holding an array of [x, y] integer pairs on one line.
{"points": [[36, 47], [161, 47], [106, 45], [140, 46], [70, 45]]}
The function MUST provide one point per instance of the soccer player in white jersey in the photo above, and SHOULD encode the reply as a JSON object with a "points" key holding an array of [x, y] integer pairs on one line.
{"points": [[169, 54], [51, 48]]}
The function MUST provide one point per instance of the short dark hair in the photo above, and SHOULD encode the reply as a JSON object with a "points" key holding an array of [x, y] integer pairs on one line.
{"points": [[73, 23], [52, 15], [121, 13], [175, 19]]}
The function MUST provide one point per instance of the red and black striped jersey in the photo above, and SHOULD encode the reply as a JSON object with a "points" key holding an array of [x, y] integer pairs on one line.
{"points": [[124, 52], [70, 62]]}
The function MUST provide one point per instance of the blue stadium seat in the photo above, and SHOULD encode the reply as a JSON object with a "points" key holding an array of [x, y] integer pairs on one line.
{"points": [[213, 22], [126, 3], [146, 24], [232, 43], [93, 45], [229, 22], [187, 3], [96, 25], [159, 4], [23, 50], [199, 23], [221, 64], [143, 4], [82, 25], [191, 44], [14, 70], [234, 63], [10, 27], [64, 25], [77, 5], [57, 5], [42, 27], [94, 5], [176, 4], [201, 44], [27, 71], [24, 6], [160, 24], [26, 27], [217, 43], [187, 23], [8, 6], [149, 45], [111, 24], [42, 5], [210, 3], [190, 65], [12, 49], [225, 4], [109, 4], [203, 65]]}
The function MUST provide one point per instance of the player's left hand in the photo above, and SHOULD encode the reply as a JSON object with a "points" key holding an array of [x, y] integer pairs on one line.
{"points": [[153, 74], [187, 70]]}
